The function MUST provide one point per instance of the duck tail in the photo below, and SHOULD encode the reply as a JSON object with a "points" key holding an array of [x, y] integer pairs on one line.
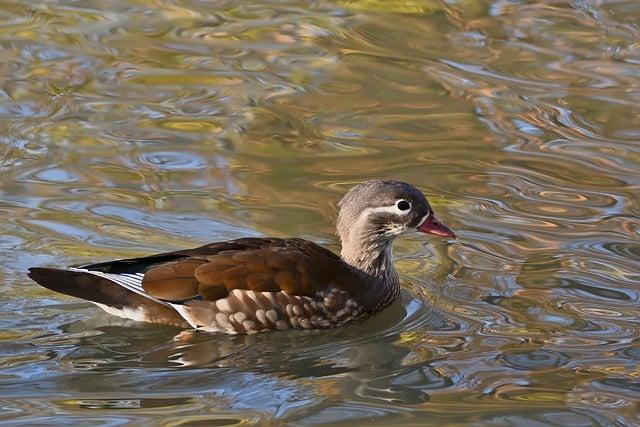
{"points": [[82, 285], [109, 296]]}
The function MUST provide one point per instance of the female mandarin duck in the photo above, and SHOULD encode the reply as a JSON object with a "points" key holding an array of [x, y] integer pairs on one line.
{"points": [[260, 284]]}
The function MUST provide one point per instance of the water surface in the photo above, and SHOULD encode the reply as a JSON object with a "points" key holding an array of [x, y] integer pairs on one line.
{"points": [[130, 127]]}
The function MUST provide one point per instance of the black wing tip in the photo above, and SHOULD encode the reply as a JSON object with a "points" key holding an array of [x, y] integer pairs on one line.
{"points": [[39, 273], [80, 284]]}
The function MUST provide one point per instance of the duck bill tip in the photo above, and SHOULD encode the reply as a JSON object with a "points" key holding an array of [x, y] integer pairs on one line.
{"points": [[432, 226]]}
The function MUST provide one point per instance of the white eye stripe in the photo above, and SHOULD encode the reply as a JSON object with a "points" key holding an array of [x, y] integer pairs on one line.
{"points": [[387, 209]]}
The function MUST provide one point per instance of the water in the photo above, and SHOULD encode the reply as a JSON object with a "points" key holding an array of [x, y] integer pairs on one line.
{"points": [[131, 127]]}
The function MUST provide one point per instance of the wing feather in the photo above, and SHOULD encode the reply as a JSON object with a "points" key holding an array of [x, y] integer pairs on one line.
{"points": [[298, 267]]}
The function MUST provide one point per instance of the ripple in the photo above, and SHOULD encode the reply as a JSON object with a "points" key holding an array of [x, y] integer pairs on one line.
{"points": [[626, 384], [172, 160], [212, 420], [551, 417], [122, 404], [534, 360], [56, 175], [631, 352], [591, 310], [24, 110]]}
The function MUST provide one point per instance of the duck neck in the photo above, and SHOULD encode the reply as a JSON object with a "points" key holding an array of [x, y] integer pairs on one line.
{"points": [[372, 256]]}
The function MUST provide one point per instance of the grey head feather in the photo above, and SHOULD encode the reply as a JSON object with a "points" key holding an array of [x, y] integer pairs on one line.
{"points": [[367, 234], [380, 193]]}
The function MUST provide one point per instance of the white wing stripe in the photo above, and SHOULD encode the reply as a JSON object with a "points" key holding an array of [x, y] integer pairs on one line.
{"points": [[130, 281], [133, 280]]}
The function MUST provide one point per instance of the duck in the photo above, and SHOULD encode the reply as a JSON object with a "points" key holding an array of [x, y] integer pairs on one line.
{"points": [[251, 285]]}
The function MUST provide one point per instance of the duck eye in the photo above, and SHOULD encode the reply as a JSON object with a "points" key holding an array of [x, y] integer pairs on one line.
{"points": [[403, 205]]}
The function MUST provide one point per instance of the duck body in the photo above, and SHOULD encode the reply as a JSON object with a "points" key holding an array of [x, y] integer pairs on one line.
{"points": [[237, 286], [259, 284]]}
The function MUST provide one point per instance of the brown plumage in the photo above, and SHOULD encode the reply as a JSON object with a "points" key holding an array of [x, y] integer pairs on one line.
{"points": [[255, 284]]}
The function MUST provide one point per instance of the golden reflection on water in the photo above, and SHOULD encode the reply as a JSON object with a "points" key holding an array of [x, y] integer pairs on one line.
{"points": [[130, 127]]}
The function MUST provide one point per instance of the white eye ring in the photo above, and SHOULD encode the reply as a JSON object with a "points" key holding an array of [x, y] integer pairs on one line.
{"points": [[403, 205]]}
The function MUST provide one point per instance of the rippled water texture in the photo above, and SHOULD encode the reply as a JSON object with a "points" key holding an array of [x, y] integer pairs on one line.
{"points": [[129, 127]]}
